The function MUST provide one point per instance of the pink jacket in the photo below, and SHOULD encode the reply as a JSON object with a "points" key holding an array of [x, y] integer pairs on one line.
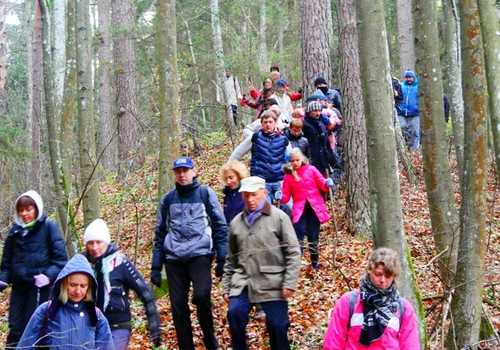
{"points": [[311, 181], [338, 338]]}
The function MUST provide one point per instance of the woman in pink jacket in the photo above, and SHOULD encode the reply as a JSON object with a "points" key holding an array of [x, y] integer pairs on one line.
{"points": [[375, 316], [303, 183]]}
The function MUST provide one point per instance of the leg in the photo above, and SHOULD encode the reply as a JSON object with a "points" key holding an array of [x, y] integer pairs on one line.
{"points": [[179, 283], [234, 109], [121, 338], [300, 230], [237, 315], [271, 188], [277, 324], [200, 272], [313, 225]]}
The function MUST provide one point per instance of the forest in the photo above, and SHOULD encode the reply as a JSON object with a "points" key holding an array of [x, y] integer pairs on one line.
{"points": [[97, 99]]}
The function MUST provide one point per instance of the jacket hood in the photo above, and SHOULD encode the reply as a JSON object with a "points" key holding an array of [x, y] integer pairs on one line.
{"points": [[39, 204], [77, 264]]}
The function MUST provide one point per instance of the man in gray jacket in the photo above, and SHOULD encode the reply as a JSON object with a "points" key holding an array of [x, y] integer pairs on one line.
{"points": [[262, 266]]}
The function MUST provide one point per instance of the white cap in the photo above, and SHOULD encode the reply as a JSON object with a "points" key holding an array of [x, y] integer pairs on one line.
{"points": [[252, 184], [97, 231]]}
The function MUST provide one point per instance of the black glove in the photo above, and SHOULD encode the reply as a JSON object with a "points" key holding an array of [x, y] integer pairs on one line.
{"points": [[299, 90], [156, 277], [157, 341], [219, 268]]}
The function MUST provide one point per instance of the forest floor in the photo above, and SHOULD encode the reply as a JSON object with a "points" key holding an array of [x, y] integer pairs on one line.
{"points": [[129, 207]]}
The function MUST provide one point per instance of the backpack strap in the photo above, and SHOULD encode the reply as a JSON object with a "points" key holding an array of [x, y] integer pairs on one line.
{"points": [[206, 201]]}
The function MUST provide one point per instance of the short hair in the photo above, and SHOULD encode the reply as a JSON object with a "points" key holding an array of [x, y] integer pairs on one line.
{"points": [[274, 68], [297, 152], [296, 123], [238, 167], [63, 295], [25, 201], [386, 257], [276, 109], [268, 114]]}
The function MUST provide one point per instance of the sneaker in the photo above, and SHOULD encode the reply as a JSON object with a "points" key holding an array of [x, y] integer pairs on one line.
{"points": [[260, 315], [316, 266]]}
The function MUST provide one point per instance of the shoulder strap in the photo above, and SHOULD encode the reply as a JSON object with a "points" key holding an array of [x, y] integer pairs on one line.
{"points": [[352, 302], [168, 201], [206, 200]]}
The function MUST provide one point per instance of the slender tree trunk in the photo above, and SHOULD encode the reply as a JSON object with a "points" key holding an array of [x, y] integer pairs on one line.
{"points": [[314, 44], [491, 34], [453, 64], [108, 143], [36, 110], [386, 211], [86, 136], [166, 55], [3, 63], [467, 300], [58, 38], [438, 179], [263, 64], [405, 35], [358, 196]]}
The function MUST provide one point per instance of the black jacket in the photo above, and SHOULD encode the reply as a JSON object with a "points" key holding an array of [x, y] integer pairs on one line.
{"points": [[300, 142]]}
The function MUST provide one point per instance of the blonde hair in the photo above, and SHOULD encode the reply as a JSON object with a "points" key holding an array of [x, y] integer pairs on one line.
{"points": [[297, 152], [297, 123], [238, 167], [268, 114], [386, 257], [63, 295]]}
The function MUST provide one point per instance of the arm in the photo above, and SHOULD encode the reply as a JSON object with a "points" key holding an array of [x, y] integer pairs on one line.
{"points": [[336, 333], [291, 251], [254, 93], [295, 96], [230, 265], [287, 188], [219, 226], [319, 179], [408, 334], [33, 331], [59, 256], [6, 260], [242, 149], [160, 234], [103, 338]]}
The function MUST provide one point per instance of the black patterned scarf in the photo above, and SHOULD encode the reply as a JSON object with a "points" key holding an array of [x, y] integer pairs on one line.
{"points": [[379, 306]]}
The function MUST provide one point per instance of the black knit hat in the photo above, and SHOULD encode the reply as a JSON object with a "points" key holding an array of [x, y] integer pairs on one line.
{"points": [[320, 80]]}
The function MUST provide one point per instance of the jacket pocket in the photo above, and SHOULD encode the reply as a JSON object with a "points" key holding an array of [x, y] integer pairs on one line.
{"points": [[117, 298]]}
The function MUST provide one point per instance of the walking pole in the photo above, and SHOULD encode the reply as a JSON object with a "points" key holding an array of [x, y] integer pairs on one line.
{"points": [[330, 191]]}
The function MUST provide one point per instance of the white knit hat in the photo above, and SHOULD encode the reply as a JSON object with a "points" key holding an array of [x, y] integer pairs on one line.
{"points": [[97, 231]]}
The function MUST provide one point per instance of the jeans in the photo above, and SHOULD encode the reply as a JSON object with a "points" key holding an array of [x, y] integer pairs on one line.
{"points": [[271, 188], [234, 110], [277, 321], [410, 127], [308, 225], [180, 275], [121, 338]]}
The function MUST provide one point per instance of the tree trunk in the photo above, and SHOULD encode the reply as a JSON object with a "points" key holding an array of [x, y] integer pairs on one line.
{"points": [[86, 136], [36, 109], [438, 179], [489, 27], [263, 64], [405, 35], [166, 55], [130, 156], [453, 64], [467, 300], [108, 143], [314, 44], [386, 211], [58, 38], [358, 196]]}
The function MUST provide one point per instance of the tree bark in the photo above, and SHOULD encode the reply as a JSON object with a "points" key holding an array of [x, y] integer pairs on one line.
{"points": [[58, 38], [356, 167], [438, 179], [405, 36], [386, 211], [314, 44], [263, 64], [466, 305], [36, 109], [166, 55]]}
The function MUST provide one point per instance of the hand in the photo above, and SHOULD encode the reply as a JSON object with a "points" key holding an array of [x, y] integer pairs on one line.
{"points": [[288, 293], [329, 182], [41, 280], [3, 285], [225, 296], [156, 277], [219, 268], [299, 90], [157, 341], [278, 195]]}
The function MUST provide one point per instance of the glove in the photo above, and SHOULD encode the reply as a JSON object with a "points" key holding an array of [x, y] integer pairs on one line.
{"points": [[329, 182], [287, 157], [3, 285], [157, 342], [41, 280], [156, 277], [278, 195], [299, 90], [219, 268]]}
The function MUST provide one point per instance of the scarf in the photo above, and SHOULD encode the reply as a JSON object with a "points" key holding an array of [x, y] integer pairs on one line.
{"points": [[253, 215], [273, 133], [379, 306]]}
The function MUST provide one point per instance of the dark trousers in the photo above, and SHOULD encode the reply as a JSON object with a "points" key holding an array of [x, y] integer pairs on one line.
{"points": [[180, 275], [308, 225], [234, 110], [24, 300], [277, 321]]}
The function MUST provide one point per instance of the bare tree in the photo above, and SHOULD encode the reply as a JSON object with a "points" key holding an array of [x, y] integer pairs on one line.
{"points": [[36, 93], [3, 62], [405, 35]]}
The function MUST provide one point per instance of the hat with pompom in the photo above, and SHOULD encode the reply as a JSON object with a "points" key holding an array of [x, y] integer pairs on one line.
{"points": [[409, 73]]}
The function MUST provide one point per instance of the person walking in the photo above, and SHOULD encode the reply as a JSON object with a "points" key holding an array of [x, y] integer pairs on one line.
{"points": [[408, 111]]}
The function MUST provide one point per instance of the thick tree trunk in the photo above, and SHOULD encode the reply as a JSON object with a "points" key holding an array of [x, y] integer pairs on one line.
{"points": [[491, 35], [386, 211], [314, 44], [358, 196], [86, 137], [166, 54], [438, 179], [405, 36], [467, 300]]}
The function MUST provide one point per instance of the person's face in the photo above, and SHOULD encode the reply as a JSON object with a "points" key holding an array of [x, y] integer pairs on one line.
{"points": [[295, 131], [78, 285], [184, 176], [380, 278], [409, 80], [321, 85], [253, 199], [228, 73], [27, 214], [295, 161], [268, 84], [280, 89], [96, 248], [268, 124], [232, 179], [315, 114]]}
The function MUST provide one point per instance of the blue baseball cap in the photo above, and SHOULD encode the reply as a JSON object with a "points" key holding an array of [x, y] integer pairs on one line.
{"points": [[183, 162]]}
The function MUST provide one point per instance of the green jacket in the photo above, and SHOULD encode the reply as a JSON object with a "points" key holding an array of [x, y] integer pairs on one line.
{"points": [[265, 257]]}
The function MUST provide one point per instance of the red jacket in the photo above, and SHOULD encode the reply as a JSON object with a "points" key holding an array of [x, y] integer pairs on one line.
{"points": [[311, 181]]}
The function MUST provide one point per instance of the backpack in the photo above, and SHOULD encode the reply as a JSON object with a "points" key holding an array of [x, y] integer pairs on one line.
{"points": [[353, 297]]}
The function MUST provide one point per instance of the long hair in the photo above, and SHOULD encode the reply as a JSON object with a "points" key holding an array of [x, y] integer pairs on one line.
{"points": [[63, 295]]}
